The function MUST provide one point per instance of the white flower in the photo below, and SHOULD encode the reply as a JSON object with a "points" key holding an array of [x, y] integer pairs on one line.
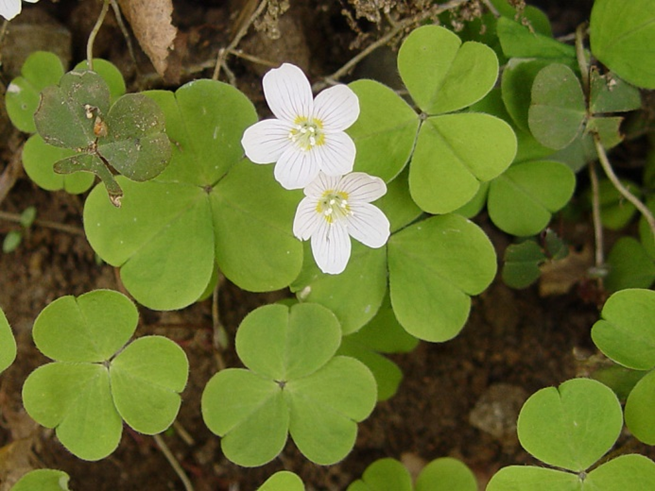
{"points": [[335, 207], [308, 134], [11, 8]]}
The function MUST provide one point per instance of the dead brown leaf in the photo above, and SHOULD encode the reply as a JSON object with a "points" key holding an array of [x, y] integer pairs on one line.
{"points": [[151, 24], [558, 277]]}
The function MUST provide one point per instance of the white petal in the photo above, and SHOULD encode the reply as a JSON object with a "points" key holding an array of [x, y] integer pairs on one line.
{"points": [[264, 142], [307, 220], [337, 108], [10, 8], [362, 187], [331, 247], [322, 183], [368, 225], [337, 154], [296, 168], [31, 1], [288, 92]]}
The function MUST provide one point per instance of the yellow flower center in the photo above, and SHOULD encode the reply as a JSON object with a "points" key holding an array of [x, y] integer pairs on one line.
{"points": [[333, 205], [307, 133]]}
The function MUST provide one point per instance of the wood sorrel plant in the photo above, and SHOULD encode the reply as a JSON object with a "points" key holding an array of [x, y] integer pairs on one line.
{"points": [[403, 176]]}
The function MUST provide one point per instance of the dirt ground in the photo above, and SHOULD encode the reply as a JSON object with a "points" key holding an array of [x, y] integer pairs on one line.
{"points": [[515, 342]]}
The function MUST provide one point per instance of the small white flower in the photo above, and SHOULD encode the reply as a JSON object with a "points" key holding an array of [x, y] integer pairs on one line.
{"points": [[11, 8], [333, 209], [307, 135]]}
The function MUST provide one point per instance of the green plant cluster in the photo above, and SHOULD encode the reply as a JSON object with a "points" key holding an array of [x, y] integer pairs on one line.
{"points": [[177, 204]]}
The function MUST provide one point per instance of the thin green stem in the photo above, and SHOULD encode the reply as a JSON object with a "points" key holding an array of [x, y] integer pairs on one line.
{"points": [[598, 225], [126, 34], [174, 463], [94, 33], [580, 34]]}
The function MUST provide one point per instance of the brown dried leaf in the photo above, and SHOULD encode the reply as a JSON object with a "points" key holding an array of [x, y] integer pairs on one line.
{"points": [[558, 277], [151, 24]]}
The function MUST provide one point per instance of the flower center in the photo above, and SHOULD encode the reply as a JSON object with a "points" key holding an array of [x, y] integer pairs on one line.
{"points": [[333, 205], [307, 133]]}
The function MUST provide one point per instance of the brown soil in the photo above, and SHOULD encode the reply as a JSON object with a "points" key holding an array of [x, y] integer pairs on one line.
{"points": [[514, 343]]}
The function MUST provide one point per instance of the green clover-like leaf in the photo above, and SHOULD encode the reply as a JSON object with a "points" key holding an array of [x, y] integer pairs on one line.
{"points": [[453, 154], [296, 386], [40, 70], [384, 474], [7, 343], [128, 136], [383, 334], [630, 266], [571, 426], [520, 41], [147, 378], [521, 200], [622, 36], [626, 332], [210, 206], [38, 161], [89, 390], [385, 130], [639, 416], [441, 73], [283, 481], [557, 108], [451, 258], [446, 473], [43, 480]]}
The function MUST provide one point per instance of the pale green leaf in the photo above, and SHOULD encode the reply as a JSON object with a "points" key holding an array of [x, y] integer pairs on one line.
{"points": [[626, 331], [451, 259], [571, 426], [146, 379], [89, 328]]}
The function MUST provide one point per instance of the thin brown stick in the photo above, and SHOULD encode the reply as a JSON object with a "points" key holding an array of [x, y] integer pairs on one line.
{"points": [[11, 173], [174, 463], [62, 227], [184, 434], [94, 33], [491, 7], [607, 167], [223, 52], [255, 59], [393, 32]]}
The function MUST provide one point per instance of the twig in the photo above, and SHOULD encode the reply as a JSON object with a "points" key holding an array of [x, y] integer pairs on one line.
{"points": [[15, 217], [598, 225], [607, 167], [3, 32], [173, 461], [222, 53], [94, 33], [255, 59], [492, 8], [398, 27], [184, 434], [11, 173], [126, 34]]}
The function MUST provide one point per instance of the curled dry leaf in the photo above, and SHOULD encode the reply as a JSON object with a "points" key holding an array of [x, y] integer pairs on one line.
{"points": [[558, 277], [151, 24]]}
